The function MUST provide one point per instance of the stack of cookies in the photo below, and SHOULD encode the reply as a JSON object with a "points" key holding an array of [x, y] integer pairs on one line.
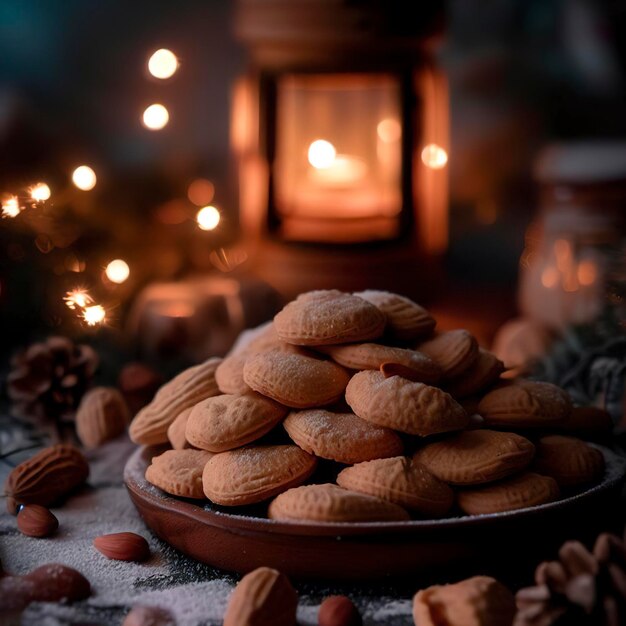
{"points": [[407, 421]]}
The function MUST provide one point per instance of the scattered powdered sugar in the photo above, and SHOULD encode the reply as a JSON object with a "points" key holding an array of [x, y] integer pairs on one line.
{"points": [[195, 594]]}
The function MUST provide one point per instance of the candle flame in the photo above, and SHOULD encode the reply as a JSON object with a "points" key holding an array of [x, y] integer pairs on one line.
{"points": [[94, 315], [77, 298], [321, 154], [10, 207], [40, 192], [434, 156]]}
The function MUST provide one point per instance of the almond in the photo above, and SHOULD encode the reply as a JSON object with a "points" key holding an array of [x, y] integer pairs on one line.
{"points": [[101, 416], [123, 546], [338, 611], [36, 521], [264, 597], [55, 583], [47, 477]]}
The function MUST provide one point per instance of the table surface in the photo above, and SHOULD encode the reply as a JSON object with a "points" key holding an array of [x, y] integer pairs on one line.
{"points": [[194, 593]]}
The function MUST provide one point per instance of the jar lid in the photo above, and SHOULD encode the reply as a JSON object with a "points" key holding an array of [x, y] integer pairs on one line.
{"points": [[582, 163]]}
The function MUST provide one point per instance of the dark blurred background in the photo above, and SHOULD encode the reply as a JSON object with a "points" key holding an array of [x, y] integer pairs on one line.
{"points": [[73, 86]]}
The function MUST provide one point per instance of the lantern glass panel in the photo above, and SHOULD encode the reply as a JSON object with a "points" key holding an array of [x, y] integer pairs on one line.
{"points": [[338, 156]]}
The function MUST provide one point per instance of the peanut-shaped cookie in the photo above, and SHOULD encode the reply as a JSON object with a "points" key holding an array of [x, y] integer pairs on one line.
{"points": [[485, 371], [255, 473], [518, 492], [341, 437], [321, 318], [225, 422], [525, 404], [179, 472], [454, 351], [476, 456], [406, 320], [403, 405], [295, 380], [401, 481], [330, 503]]}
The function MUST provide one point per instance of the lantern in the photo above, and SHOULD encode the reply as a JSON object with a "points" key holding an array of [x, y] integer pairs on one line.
{"points": [[340, 131]]}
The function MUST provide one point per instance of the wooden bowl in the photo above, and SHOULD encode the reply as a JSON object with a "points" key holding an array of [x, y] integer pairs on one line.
{"points": [[352, 551]]}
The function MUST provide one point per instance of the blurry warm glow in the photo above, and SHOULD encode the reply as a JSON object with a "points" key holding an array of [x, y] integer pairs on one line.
{"points": [[322, 154], [344, 170], [77, 299], [84, 177], [163, 64], [208, 218], [587, 273], [201, 192], [434, 156], [563, 254], [389, 130], [10, 207], [550, 277], [40, 192], [155, 117], [117, 271], [94, 314]]}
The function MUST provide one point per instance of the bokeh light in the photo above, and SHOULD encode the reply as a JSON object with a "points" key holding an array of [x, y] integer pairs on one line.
{"points": [[40, 192], [201, 191], [434, 156], [208, 218], [163, 64], [389, 130], [78, 298], [94, 314], [322, 153], [155, 117], [10, 207], [117, 271], [84, 177]]}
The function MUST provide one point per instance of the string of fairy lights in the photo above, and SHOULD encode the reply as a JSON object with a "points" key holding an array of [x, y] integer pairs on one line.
{"points": [[162, 65]]}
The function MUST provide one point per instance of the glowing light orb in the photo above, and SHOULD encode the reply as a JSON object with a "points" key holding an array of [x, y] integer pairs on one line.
{"points": [[208, 218], [434, 156], [201, 191], [163, 64], [155, 117], [322, 154], [94, 315], [40, 192], [77, 299], [84, 178], [389, 130], [117, 271], [550, 277], [10, 207], [587, 273]]}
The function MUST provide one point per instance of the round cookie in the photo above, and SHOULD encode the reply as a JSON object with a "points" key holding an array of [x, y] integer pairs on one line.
{"points": [[570, 461], [485, 370], [341, 437], [328, 317], [525, 404], [474, 457], [454, 351], [518, 492], [225, 422], [406, 320], [295, 380], [330, 503], [179, 472], [372, 356], [401, 481], [403, 405], [255, 473]]}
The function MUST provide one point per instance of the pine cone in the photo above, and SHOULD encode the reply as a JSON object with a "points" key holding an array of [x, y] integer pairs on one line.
{"points": [[581, 588], [48, 380]]}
